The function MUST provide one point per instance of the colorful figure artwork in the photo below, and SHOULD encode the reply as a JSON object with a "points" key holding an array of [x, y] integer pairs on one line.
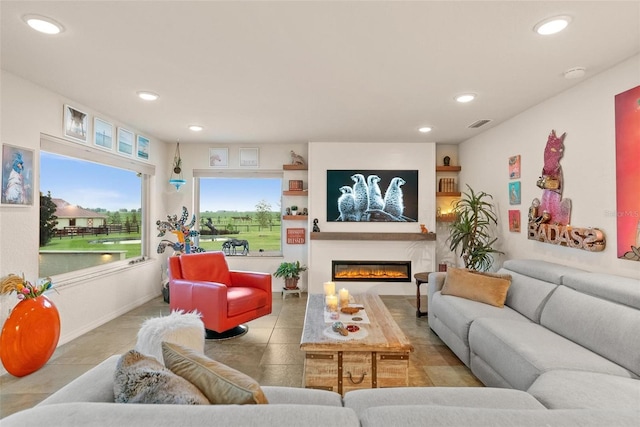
{"points": [[183, 231], [549, 216], [514, 221], [552, 208], [627, 105], [17, 176], [514, 193], [514, 167]]}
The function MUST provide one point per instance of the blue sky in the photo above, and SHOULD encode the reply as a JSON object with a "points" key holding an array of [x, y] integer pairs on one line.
{"points": [[239, 194], [87, 184], [92, 186]]}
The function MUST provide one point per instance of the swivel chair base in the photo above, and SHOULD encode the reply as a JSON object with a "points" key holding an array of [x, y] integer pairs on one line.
{"points": [[238, 331]]}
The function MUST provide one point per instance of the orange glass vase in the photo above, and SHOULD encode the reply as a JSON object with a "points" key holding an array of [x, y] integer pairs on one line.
{"points": [[29, 336]]}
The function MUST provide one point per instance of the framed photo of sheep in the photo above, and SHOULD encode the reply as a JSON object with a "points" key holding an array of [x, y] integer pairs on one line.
{"points": [[372, 195]]}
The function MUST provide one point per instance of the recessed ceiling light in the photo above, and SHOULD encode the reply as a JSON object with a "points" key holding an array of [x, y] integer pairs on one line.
{"points": [[552, 25], [148, 96], [43, 24], [195, 128], [424, 129], [465, 97]]}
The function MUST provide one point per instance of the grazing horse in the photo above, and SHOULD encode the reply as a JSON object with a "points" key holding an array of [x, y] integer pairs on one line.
{"points": [[230, 246]]}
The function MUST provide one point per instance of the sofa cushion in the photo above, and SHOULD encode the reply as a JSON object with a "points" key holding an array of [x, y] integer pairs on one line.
{"points": [[622, 290], [527, 295], [436, 416], [120, 415], [487, 288], [220, 383], [541, 270], [458, 313], [565, 389], [475, 397], [604, 327], [301, 396], [142, 379], [519, 352], [95, 385]]}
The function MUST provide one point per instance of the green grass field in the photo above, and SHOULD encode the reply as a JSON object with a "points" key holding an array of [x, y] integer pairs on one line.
{"points": [[266, 238]]}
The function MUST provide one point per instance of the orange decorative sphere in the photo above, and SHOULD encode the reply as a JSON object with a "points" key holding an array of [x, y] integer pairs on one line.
{"points": [[29, 336]]}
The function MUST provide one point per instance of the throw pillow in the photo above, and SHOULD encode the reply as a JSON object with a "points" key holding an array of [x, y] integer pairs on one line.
{"points": [[488, 288], [142, 379], [220, 383]]}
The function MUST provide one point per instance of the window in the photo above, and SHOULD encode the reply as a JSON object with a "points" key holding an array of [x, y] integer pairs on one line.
{"points": [[241, 208], [97, 204]]}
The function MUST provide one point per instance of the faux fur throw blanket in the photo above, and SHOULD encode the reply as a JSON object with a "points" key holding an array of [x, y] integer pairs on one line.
{"points": [[142, 379]]}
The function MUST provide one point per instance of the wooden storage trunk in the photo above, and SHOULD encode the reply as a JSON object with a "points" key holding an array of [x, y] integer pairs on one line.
{"points": [[342, 371]]}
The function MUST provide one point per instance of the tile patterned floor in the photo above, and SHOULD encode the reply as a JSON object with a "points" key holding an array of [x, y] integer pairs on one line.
{"points": [[269, 352]]}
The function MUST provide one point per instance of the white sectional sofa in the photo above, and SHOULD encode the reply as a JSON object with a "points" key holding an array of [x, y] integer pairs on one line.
{"points": [[565, 350], [568, 337]]}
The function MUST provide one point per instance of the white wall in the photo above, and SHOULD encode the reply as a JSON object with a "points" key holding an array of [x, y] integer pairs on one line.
{"points": [[586, 113], [27, 111], [392, 155]]}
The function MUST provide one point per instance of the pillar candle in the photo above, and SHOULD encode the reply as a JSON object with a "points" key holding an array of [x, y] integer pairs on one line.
{"points": [[329, 288], [344, 297], [332, 302]]}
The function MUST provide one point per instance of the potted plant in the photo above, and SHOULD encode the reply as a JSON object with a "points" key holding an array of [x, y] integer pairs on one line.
{"points": [[290, 271], [294, 210], [470, 232]]}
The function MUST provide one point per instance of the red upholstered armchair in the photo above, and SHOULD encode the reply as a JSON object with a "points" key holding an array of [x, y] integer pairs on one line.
{"points": [[226, 298]]}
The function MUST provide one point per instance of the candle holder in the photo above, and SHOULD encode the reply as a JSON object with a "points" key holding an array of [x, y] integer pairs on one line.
{"points": [[329, 288], [331, 302]]}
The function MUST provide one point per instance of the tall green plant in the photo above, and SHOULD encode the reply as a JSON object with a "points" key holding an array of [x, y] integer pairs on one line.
{"points": [[47, 218], [470, 232]]}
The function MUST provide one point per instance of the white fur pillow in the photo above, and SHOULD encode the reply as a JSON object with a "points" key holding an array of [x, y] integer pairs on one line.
{"points": [[178, 327], [142, 379]]}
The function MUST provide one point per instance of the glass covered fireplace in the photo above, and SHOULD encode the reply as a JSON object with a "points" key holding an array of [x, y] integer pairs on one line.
{"points": [[371, 271]]}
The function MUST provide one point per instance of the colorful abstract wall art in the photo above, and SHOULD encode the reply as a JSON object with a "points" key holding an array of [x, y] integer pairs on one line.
{"points": [[627, 106]]}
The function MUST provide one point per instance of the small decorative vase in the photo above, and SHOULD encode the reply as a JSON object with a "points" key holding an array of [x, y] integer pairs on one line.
{"points": [[29, 336]]}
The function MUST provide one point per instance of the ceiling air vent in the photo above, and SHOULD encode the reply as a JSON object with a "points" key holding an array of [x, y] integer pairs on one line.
{"points": [[478, 123]]}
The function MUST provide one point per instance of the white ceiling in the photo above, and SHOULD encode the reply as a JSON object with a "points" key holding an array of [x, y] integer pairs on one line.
{"points": [[266, 71]]}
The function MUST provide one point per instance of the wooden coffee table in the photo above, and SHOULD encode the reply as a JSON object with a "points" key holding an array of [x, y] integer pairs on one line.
{"points": [[379, 358]]}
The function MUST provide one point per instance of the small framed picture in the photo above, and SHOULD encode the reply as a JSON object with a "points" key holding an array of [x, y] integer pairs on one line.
{"points": [[219, 157], [514, 167], [514, 193], [249, 157], [76, 123], [514, 221], [125, 142], [142, 147], [17, 176], [102, 134]]}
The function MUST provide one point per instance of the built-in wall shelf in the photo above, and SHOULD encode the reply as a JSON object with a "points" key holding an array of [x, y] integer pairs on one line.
{"points": [[448, 168], [295, 217], [294, 167], [295, 193], [332, 235], [448, 194]]}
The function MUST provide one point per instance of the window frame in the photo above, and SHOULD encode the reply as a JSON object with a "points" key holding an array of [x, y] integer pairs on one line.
{"points": [[63, 147]]}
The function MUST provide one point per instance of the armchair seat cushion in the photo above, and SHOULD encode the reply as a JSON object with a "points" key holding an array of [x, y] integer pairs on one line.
{"points": [[242, 300]]}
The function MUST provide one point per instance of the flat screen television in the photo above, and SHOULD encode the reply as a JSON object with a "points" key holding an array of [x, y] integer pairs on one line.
{"points": [[357, 195]]}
